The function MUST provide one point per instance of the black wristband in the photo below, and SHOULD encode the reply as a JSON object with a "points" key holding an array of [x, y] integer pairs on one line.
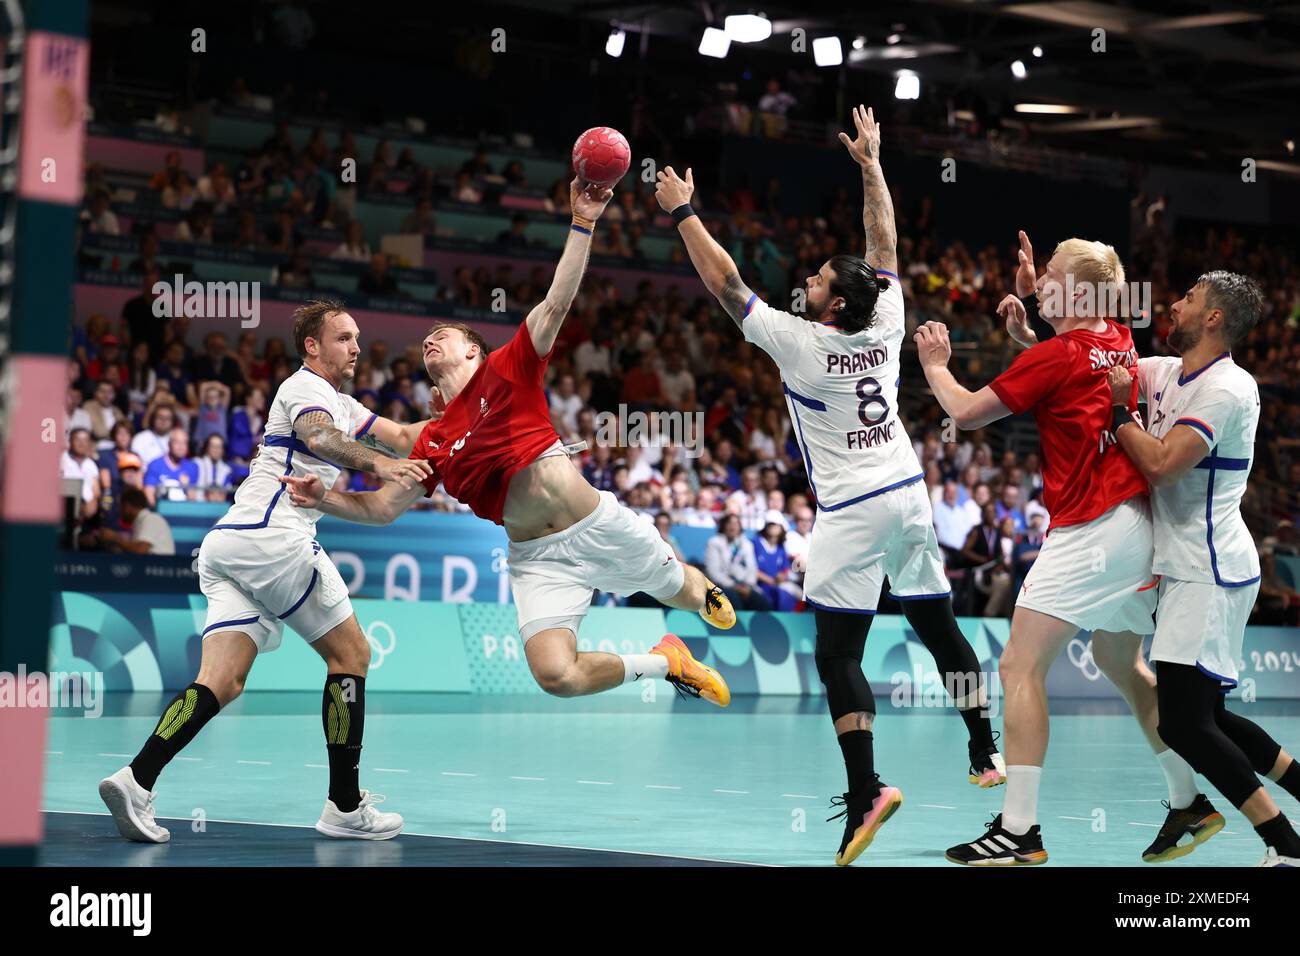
{"points": [[1119, 415], [1042, 329], [682, 213]]}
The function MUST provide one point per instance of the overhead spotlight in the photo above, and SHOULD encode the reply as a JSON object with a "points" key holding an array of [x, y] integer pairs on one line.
{"points": [[715, 42], [1018, 69], [827, 51], [614, 45], [893, 38], [859, 42], [1038, 51], [1046, 108], [908, 86], [747, 27], [1290, 146]]}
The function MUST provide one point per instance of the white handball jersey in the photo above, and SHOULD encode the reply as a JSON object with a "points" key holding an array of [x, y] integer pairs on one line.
{"points": [[261, 501], [842, 392], [1199, 532]]}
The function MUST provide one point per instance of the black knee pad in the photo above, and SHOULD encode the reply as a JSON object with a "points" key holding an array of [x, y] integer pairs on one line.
{"points": [[841, 640], [1260, 749]]}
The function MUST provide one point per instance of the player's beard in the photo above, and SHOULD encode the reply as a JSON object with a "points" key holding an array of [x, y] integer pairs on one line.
{"points": [[1183, 340]]}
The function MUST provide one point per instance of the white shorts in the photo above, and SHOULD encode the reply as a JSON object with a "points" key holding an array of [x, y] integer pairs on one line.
{"points": [[1097, 576], [612, 549], [853, 549], [258, 580], [1202, 625]]}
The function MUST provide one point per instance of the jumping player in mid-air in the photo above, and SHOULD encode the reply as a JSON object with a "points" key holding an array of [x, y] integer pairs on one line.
{"points": [[840, 368], [260, 569], [493, 447]]}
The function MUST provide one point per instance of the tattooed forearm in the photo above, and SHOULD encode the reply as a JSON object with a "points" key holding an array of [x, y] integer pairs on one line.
{"points": [[370, 440], [878, 218], [734, 296], [318, 433]]}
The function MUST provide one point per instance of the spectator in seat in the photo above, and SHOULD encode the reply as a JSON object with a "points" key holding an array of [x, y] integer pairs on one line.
{"points": [[730, 563], [211, 418], [174, 474], [74, 416], [422, 220], [99, 219], [150, 532], [246, 423], [216, 363], [103, 413], [79, 463], [354, 248], [152, 443], [773, 563], [142, 322], [514, 238], [377, 280], [213, 470], [110, 364]]}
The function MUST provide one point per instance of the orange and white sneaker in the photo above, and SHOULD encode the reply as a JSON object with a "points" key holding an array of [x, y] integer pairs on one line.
{"points": [[717, 608], [689, 676], [863, 818]]}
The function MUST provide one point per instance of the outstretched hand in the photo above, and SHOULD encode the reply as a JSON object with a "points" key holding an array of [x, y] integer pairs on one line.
{"points": [[865, 147], [587, 199], [307, 492], [1026, 280], [932, 345], [671, 190]]}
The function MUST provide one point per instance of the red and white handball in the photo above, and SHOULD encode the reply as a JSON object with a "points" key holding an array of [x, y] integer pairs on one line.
{"points": [[601, 156]]}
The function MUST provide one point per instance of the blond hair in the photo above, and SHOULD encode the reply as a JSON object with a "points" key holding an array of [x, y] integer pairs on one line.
{"points": [[1092, 262]]}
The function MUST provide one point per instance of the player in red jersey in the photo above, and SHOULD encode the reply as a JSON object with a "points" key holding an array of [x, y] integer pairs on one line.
{"points": [[1094, 570], [494, 449]]}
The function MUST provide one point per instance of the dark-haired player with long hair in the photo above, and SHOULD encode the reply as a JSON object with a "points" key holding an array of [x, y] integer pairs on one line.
{"points": [[840, 368]]}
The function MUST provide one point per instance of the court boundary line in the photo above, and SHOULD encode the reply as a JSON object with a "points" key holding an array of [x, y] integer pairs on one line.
{"points": [[446, 836]]}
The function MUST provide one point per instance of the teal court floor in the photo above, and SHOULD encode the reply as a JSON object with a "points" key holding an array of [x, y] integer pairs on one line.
{"points": [[606, 781]]}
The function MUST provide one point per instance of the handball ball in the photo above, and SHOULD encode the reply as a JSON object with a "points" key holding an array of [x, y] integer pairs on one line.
{"points": [[601, 156]]}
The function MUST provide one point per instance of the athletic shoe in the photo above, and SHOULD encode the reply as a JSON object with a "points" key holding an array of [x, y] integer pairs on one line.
{"points": [[987, 768], [1184, 830], [363, 823], [1000, 848], [689, 676], [717, 608], [132, 808], [1273, 858], [863, 818]]}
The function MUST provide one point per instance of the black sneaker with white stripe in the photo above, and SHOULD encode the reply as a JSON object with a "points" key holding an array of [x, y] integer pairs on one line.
{"points": [[1000, 848]]}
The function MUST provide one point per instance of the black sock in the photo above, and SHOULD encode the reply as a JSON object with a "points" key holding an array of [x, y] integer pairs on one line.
{"points": [[343, 712], [859, 761], [935, 625], [1278, 834], [183, 718], [1290, 779], [979, 728]]}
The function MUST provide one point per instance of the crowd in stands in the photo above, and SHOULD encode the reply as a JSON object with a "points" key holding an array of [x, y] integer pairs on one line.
{"points": [[149, 409]]}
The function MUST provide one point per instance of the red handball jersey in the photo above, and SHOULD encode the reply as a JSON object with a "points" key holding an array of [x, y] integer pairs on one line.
{"points": [[1063, 382], [498, 424]]}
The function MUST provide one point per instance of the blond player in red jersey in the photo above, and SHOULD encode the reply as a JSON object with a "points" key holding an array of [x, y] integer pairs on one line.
{"points": [[494, 449], [1094, 571]]}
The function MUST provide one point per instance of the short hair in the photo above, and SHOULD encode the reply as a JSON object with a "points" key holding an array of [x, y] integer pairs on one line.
{"points": [[73, 434], [308, 319], [135, 498], [469, 333], [860, 286], [1240, 299], [1092, 262]]}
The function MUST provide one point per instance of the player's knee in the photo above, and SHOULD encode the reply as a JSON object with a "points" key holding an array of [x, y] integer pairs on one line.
{"points": [[225, 688], [1177, 733], [557, 681], [1014, 666]]}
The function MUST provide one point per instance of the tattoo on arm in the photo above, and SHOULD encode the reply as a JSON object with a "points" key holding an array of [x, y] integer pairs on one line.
{"points": [[371, 440], [734, 296], [878, 218], [318, 432]]}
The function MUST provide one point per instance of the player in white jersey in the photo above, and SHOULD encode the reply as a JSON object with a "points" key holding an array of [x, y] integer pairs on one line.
{"points": [[840, 367], [1197, 450], [260, 568]]}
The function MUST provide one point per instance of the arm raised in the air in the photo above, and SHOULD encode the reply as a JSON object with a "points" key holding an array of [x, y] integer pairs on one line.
{"points": [[877, 205], [717, 270], [969, 410], [547, 316]]}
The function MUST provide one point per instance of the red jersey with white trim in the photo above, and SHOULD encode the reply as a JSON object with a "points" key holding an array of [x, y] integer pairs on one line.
{"points": [[498, 424], [1063, 382]]}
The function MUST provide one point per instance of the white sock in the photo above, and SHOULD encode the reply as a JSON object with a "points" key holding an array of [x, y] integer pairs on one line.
{"points": [[639, 666], [1179, 777], [1020, 808]]}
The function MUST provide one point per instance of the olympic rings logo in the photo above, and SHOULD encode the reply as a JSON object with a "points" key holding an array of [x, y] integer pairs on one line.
{"points": [[1080, 655], [377, 650]]}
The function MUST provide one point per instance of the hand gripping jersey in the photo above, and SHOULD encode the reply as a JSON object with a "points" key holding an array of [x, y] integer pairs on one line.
{"points": [[498, 424], [261, 501], [842, 393], [1200, 534], [1063, 382]]}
